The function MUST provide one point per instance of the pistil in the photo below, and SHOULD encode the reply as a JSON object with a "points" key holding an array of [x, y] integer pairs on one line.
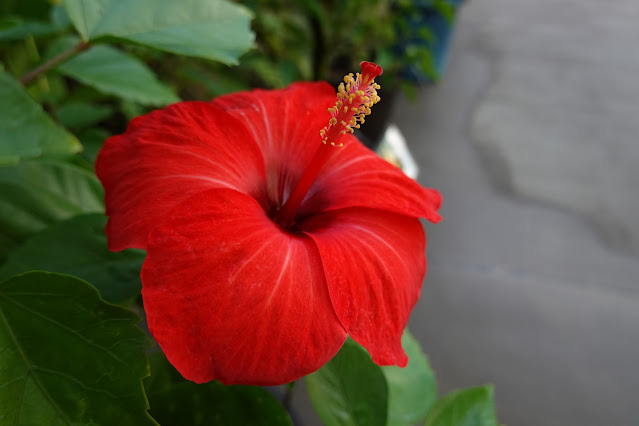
{"points": [[355, 97]]}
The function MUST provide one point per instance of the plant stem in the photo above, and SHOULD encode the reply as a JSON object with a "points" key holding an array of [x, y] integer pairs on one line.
{"points": [[288, 396], [36, 72]]}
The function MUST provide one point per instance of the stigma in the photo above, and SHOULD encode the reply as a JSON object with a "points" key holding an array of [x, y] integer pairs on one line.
{"points": [[355, 98]]}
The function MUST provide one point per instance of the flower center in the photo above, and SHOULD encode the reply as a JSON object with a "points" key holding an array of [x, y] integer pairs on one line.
{"points": [[354, 102]]}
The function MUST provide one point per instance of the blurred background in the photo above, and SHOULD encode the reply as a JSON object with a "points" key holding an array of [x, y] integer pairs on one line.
{"points": [[532, 136]]}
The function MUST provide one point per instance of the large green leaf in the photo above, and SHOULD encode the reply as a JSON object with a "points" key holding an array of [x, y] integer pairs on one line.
{"points": [[412, 390], [350, 389], [37, 193], [67, 357], [115, 72], [26, 131], [212, 29], [464, 407], [176, 401], [77, 246]]}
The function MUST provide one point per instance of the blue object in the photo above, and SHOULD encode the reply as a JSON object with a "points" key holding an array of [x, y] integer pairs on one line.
{"points": [[439, 46]]}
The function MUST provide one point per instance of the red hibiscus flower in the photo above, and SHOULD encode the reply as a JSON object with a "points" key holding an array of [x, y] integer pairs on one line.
{"points": [[267, 243]]}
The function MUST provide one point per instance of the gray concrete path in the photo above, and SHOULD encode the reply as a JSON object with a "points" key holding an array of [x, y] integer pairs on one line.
{"points": [[533, 281], [533, 138]]}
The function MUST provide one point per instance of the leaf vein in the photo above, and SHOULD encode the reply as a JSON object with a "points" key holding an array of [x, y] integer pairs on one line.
{"points": [[65, 328], [29, 366]]}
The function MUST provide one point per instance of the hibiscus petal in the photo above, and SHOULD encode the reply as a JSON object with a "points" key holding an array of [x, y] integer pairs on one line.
{"points": [[230, 296], [356, 177], [374, 264], [286, 124], [165, 157]]}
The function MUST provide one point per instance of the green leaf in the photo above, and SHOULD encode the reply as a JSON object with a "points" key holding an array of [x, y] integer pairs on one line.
{"points": [[68, 357], [350, 389], [176, 401], [115, 72], [131, 109], [77, 246], [26, 131], [17, 28], [93, 139], [13, 28], [464, 407], [412, 390], [59, 16], [80, 115], [212, 29], [37, 193], [214, 80]]}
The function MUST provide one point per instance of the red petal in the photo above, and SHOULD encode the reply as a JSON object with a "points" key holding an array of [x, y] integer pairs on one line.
{"points": [[286, 124], [230, 296], [356, 177], [165, 157], [374, 264]]}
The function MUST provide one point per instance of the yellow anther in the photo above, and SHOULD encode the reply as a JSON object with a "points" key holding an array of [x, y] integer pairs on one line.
{"points": [[355, 97]]}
